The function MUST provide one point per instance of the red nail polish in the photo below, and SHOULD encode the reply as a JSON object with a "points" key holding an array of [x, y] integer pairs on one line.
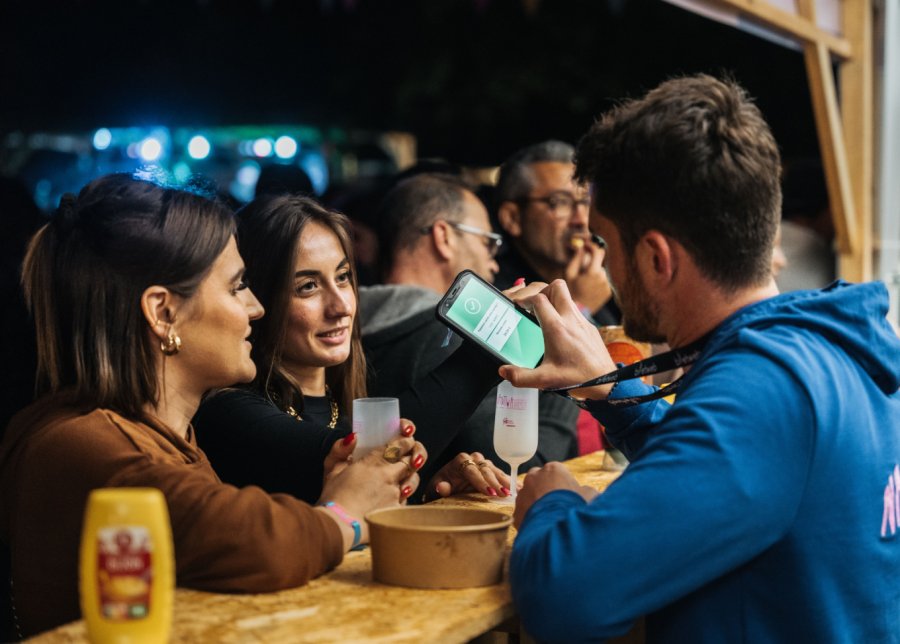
{"points": [[519, 281], [505, 491], [417, 461], [408, 430], [491, 491], [348, 438], [406, 491]]}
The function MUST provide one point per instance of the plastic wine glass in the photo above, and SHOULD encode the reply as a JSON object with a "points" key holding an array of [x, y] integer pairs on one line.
{"points": [[515, 428]]}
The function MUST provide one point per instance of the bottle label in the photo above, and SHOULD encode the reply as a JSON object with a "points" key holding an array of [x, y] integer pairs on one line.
{"points": [[511, 402], [124, 572]]}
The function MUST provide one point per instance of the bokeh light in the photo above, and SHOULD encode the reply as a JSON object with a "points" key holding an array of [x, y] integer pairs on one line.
{"points": [[285, 147], [102, 138], [262, 147], [150, 149], [199, 147]]}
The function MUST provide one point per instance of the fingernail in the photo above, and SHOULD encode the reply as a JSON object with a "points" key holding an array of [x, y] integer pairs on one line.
{"points": [[505, 491], [437, 490], [491, 491], [519, 281], [417, 461], [406, 491], [348, 438], [408, 430]]}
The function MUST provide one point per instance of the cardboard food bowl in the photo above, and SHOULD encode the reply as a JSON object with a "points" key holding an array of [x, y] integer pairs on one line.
{"points": [[438, 547]]}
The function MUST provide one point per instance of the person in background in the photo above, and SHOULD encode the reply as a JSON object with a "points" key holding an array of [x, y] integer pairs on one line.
{"points": [[432, 227], [762, 506], [140, 307], [290, 429], [543, 211], [807, 229], [544, 214]]}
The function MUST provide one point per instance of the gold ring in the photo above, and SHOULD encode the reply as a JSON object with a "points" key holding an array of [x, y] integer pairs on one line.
{"points": [[466, 463], [391, 453]]}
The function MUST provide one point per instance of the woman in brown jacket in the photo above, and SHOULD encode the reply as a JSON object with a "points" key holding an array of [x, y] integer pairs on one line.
{"points": [[140, 308]]}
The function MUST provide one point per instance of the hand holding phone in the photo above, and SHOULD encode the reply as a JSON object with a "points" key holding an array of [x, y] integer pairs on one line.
{"points": [[481, 314]]}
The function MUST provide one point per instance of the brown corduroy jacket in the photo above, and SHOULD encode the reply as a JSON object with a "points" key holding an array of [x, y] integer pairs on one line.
{"points": [[226, 539]]}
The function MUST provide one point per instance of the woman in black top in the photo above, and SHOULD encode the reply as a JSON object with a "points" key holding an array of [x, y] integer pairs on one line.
{"points": [[283, 432]]}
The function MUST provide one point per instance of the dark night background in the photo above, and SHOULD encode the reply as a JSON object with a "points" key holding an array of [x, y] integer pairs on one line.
{"points": [[471, 79]]}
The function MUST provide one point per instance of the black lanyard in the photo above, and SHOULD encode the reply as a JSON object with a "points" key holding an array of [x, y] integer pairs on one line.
{"points": [[667, 361]]}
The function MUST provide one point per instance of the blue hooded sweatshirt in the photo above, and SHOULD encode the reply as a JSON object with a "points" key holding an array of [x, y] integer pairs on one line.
{"points": [[763, 506]]}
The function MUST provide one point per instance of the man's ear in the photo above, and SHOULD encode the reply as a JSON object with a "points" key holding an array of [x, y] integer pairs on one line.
{"points": [[510, 216], [158, 307], [441, 239], [658, 254]]}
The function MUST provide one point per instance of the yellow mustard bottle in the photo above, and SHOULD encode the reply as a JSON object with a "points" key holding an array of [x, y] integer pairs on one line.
{"points": [[127, 577]]}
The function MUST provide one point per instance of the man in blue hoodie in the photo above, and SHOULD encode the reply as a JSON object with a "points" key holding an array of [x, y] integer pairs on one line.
{"points": [[764, 504]]}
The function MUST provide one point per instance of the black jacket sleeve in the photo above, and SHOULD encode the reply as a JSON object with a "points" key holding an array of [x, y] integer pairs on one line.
{"points": [[442, 400]]}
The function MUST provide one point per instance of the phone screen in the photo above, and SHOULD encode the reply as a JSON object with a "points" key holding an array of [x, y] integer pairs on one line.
{"points": [[497, 324]]}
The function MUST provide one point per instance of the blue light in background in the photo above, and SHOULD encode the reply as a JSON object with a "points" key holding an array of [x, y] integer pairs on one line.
{"points": [[102, 138], [181, 171], [150, 149], [244, 184], [199, 147], [285, 147], [314, 165], [262, 147]]}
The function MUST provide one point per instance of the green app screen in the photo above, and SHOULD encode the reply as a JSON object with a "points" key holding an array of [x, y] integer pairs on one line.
{"points": [[498, 324]]}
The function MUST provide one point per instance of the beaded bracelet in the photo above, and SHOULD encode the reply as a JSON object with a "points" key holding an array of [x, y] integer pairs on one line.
{"points": [[341, 514]]}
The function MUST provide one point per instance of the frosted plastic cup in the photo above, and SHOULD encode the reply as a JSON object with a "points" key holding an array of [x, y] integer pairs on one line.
{"points": [[376, 422]]}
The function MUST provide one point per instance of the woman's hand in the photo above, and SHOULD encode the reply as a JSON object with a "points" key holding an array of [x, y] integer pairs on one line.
{"points": [[341, 453], [382, 478], [468, 473]]}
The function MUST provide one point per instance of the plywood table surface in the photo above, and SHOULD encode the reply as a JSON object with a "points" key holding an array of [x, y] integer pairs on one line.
{"points": [[346, 605]]}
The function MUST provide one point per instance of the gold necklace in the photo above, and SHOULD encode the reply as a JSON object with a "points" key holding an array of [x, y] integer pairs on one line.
{"points": [[334, 410]]}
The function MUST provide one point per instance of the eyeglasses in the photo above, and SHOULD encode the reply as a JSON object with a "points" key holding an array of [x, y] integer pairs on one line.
{"points": [[493, 241], [561, 204]]}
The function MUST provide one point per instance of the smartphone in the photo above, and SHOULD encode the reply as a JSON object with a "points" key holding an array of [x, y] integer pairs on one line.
{"points": [[481, 314]]}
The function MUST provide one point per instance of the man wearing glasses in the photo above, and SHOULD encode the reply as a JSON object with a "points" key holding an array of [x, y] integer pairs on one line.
{"points": [[431, 227], [544, 214]]}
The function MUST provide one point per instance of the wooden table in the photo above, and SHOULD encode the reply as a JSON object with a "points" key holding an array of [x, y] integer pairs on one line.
{"points": [[346, 605]]}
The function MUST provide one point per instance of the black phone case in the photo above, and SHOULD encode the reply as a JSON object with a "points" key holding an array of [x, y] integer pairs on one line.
{"points": [[450, 297]]}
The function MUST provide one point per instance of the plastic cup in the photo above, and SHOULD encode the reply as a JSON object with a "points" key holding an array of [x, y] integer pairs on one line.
{"points": [[376, 422]]}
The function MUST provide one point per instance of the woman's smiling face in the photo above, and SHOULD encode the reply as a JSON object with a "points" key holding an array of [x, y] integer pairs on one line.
{"points": [[323, 305]]}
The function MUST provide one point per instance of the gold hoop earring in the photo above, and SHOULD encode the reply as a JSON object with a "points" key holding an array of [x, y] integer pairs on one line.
{"points": [[172, 344]]}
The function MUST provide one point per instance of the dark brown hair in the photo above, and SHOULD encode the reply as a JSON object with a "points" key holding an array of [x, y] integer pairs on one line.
{"points": [[86, 270], [412, 206], [269, 230], [695, 160]]}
